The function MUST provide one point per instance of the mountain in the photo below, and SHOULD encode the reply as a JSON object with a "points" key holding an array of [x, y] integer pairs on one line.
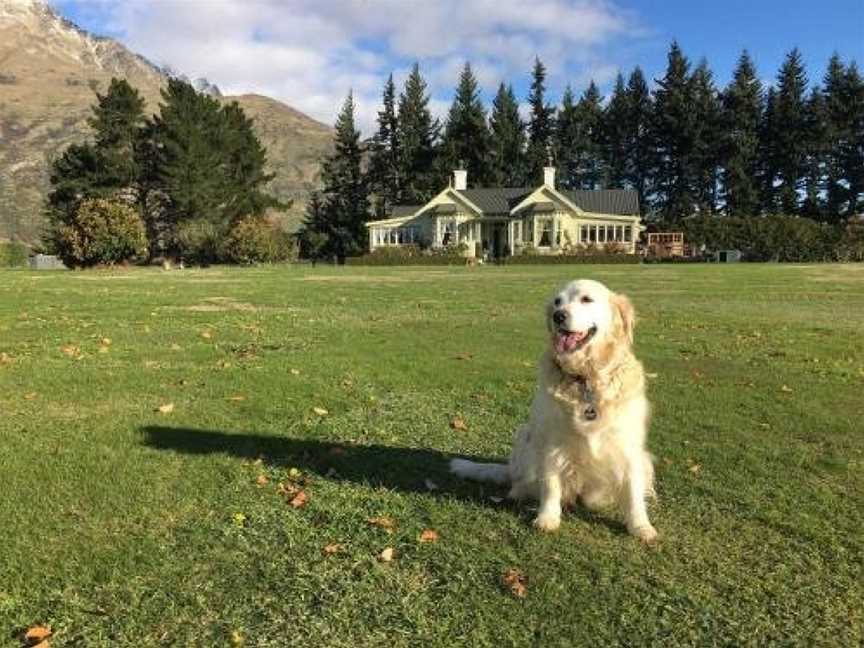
{"points": [[50, 70]]}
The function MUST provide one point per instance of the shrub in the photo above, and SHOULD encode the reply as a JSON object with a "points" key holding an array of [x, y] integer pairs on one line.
{"points": [[101, 231], [13, 255], [565, 259], [199, 241], [257, 240]]}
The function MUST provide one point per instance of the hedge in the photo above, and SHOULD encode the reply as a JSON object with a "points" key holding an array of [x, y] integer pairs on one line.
{"points": [[421, 260], [570, 259], [13, 255]]}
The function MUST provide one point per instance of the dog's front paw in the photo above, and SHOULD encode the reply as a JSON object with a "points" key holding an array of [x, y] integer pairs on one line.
{"points": [[547, 522], [646, 533]]}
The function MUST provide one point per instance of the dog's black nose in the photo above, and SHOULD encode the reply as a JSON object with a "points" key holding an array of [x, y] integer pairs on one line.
{"points": [[559, 317]]}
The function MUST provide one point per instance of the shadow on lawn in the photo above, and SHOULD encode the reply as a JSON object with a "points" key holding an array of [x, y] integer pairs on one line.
{"points": [[402, 469]]}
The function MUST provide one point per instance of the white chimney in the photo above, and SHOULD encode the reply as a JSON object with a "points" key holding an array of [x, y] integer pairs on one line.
{"points": [[460, 179], [549, 177]]}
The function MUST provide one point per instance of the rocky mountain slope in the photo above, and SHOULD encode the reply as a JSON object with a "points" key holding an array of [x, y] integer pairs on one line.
{"points": [[49, 72]]}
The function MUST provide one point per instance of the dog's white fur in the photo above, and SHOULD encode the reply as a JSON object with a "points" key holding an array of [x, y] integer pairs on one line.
{"points": [[585, 437]]}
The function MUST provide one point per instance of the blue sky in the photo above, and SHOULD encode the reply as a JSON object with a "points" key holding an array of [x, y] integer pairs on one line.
{"points": [[308, 53]]}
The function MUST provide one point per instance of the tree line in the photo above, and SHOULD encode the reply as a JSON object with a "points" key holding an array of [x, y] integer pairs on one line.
{"points": [[686, 146], [191, 174]]}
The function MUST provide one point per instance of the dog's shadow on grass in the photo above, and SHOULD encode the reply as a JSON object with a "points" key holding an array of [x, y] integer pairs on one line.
{"points": [[412, 470]]}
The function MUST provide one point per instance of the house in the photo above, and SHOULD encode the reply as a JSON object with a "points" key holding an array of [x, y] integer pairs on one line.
{"points": [[498, 222]]}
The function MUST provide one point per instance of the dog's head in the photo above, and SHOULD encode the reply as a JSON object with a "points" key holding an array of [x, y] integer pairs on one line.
{"points": [[588, 322]]}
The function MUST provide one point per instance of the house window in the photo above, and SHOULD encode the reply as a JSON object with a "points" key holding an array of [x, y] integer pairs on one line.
{"points": [[583, 236], [619, 233], [627, 233], [517, 232], [593, 235], [601, 234], [545, 233], [450, 233]]}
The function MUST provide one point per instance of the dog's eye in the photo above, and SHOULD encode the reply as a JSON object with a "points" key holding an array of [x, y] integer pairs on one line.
{"points": [[586, 300], [557, 301]]}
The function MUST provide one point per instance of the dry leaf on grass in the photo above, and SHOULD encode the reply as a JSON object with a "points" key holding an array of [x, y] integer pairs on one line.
{"points": [[71, 351], [383, 522], [295, 372], [30, 396], [299, 500], [386, 555], [464, 356], [237, 638], [331, 549], [695, 468], [262, 480], [457, 423], [236, 398], [287, 490], [167, 408], [429, 535], [36, 635], [786, 389], [514, 580], [207, 335], [650, 375], [5, 358], [320, 411]]}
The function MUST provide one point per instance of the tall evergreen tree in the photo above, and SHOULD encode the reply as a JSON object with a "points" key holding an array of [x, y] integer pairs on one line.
{"points": [[614, 132], [117, 120], [541, 126], [767, 157], [742, 112], [568, 140], [707, 135], [590, 118], [507, 156], [844, 134], [852, 148], [674, 127], [466, 139], [788, 131], [639, 138], [815, 155], [418, 134], [337, 224], [384, 179]]}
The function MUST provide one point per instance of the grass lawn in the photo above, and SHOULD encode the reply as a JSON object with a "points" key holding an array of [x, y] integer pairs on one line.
{"points": [[121, 525]]}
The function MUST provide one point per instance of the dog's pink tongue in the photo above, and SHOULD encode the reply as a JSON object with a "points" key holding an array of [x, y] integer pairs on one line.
{"points": [[566, 342]]}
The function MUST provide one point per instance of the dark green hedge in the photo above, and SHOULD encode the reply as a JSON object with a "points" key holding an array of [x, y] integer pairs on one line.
{"points": [[387, 260], [777, 238], [571, 259], [13, 255]]}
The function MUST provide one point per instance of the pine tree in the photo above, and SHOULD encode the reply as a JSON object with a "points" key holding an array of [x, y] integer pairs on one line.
{"points": [[117, 119], [815, 154], [568, 139], [337, 225], [852, 149], [507, 156], [614, 133], [466, 142], [707, 135], [641, 158], [418, 135], [384, 178], [541, 126], [767, 157], [844, 160], [742, 112], [590, 119], [789, 131]]}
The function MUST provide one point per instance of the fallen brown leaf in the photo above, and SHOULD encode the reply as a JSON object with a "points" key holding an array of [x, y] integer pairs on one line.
{"points": [[207, 335], [320, 411], [429, 535], [167, 408], [262, 480], [30, 396], [287, 490], [71, 351], [386, 555], [514, 580], [299, 500], [786, 389], [383, 522], [464, 356], [695, 468], [237, 398], [36, 634], [295, 372], [5, 358], [331, 549], [457, 423]]}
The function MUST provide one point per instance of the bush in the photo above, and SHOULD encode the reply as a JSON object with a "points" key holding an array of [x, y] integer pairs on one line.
{"points": [[257, 240], [565, 259], [769, 238], [375, 259], [101, 231], [199, 241], [13, 255]]}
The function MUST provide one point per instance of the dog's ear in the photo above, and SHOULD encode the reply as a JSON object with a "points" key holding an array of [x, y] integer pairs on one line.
{"points": [[627, 314]]}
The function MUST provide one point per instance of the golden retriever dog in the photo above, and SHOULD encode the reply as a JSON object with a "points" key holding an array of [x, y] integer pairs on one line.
{"points": [[585, 436]]}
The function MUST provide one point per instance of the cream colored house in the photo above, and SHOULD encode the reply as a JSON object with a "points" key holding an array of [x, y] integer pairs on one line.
{"points": [[503, 221]]}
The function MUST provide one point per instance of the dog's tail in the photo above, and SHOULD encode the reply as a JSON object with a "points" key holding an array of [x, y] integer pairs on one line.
{"points": [[491, 472]]}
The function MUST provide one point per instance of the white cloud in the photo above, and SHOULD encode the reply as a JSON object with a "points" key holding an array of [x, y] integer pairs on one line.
{"points": [[308, 53]]}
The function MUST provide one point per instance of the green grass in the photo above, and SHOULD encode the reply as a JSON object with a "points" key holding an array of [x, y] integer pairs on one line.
{"points": [[118, 523]]}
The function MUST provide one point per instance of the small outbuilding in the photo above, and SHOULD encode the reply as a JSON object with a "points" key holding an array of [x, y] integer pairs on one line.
{"points": [[727, 256], [46, 262]]}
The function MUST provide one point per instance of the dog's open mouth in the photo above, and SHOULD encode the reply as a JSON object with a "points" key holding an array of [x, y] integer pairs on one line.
{"points": [[568, 341]]}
